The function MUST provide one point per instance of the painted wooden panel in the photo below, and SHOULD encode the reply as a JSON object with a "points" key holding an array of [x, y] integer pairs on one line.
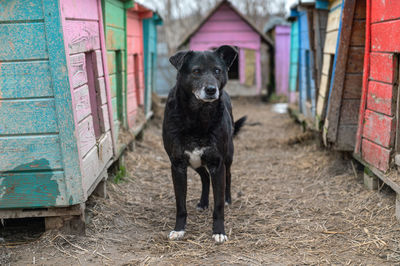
{"points": [[101, 87], [376, 155], [282, 60], [294, 59], [22, 41], [379, 128], [382, 36], [77, 67], [115, 39], [330, 42], [81, 36], [82, 102], [384, 10], [27, 153], [78, 9], [114, 14], [218, 26], [334, 18], [349, 111], [87, 138], [25, 79], [28, 116], [33, 189], [380, 97], [104, 113], [21, 10], [383, 67], [98, 64], [96, 160]]}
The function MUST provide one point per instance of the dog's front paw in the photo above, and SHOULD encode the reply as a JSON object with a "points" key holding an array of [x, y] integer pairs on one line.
{"points": [[220, 238], [201, 207], [176, 235]]}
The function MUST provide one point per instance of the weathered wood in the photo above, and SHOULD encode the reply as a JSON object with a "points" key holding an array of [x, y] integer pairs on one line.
{"points": [[340, 71], [82, 102], [353, 86], [375, 155], [81, 36], [21, 10], [361, 10], [379, 128], [330, 42], [101, 88], [334, 17], [42, 212], [77, 67], [349, 112], [25, 80], [371, 182], [78, 9], [381, 97], [23, 41], [28, 116], [384, 10], [382, 36], [70, 225], [383, 67], [355, 60], [34, 189], [27, 153], [358, 33], [346, 138], [87, 138]]}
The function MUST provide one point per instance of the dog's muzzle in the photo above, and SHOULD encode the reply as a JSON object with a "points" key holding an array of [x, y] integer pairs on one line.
{"points": [[207, 94]]}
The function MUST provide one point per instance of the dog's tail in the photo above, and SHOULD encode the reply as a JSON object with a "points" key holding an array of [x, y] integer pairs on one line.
{"points": [[238, 125]]}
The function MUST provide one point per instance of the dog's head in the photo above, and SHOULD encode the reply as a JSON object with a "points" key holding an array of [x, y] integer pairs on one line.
{"points": [[203, 74]]}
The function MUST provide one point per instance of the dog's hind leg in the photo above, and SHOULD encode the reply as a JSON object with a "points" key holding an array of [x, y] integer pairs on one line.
{"points": [[205, 182], [179, 177], [228, 199]]}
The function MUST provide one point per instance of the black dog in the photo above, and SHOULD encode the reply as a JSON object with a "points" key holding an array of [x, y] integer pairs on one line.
{"points": [[198, 130]]}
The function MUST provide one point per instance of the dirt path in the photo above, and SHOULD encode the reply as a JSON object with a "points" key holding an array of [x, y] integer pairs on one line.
{"points": [[292, 204]]}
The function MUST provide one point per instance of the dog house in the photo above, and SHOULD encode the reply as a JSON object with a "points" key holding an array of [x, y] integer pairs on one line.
{"points": [[279, 30], [225, 25], [294, 56], [345, 73], [150, 57], [378, 127], [55, 110]]}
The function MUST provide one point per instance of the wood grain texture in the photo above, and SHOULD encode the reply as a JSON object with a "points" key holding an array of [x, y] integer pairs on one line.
{"points": [[82, 103], [382, 67], [382, 36], [22, 41], [25, 80], [26, 153], [384, 10], [81, 36], [355, 60], [77, 67], [34, 190], [346, 138], [376, 155], [98, 64], [96, 160], [20, 10], [87, 138], [379, 128], [63, 102], [349, 112], [353, 86], [28, 116], [101, 88], [78, 9], [358, 33], [381, 98]]}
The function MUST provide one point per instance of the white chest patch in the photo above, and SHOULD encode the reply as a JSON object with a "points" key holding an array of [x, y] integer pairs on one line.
{"points": [[195, 157]]}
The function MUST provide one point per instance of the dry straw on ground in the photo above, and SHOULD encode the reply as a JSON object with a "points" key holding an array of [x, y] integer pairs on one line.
{"points": [[293, 203]]}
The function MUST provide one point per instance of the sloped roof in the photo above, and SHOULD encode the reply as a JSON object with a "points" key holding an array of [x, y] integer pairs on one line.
{"points": [[264, 38]]}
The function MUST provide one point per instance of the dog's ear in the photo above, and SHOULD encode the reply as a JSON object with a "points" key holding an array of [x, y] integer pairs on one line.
{"points": [[227, 53], [179, 58]]}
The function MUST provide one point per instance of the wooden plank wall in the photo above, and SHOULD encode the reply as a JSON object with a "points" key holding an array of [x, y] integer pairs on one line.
{"points": [[380, 125], [85, 65], [344, 106], [294, 60], [38, 159], [331, 37], [114, 16], [135, 69], [320, 19]]}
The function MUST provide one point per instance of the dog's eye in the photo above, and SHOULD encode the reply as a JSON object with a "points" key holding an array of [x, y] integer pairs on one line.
{"points": [[217, 71], [196, 71]]}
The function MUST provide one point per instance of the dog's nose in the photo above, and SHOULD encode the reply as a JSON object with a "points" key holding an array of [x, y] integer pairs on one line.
{"points": [[211, 90]]}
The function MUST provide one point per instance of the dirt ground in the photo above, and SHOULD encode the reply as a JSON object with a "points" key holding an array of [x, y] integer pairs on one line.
{"points": [[293, 203]]}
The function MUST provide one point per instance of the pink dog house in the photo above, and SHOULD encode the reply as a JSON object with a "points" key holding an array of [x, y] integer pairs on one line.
{"points": [[225, 25]]}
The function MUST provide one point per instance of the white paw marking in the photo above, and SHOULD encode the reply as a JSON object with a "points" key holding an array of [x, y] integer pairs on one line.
{"points": [[176, 235], [201, 209], [220, 238], [195, 157]]}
